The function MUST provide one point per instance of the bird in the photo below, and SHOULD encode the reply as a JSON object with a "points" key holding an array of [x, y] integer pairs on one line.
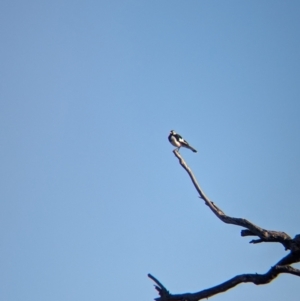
{"points": [[176, 140]]}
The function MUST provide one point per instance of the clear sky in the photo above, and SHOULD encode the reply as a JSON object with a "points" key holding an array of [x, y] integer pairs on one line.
{"points": [[91, 196]]}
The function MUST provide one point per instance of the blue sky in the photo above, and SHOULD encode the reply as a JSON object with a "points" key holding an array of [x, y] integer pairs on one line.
{"points": [[92, 198]]}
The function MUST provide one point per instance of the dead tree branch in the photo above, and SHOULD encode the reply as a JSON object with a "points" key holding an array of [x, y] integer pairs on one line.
{"points": [[251, 229], [257, 279], [282, 266]]}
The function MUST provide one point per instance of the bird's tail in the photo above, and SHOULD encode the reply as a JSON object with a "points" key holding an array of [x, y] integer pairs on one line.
{"points": [[191, 148]]}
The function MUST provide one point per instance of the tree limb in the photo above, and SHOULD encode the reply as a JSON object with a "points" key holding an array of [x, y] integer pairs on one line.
{"points": [[251, 229], [283, 266], [257, 279]]}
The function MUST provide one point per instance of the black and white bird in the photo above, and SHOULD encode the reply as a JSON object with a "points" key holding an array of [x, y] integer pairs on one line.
{"points": [[176, 140]]}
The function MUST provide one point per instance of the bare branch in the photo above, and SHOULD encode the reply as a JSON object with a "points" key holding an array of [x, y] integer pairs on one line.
{"points": [[163, 292], [251, 229], [283, 266], [257, 279], [291, 258]]}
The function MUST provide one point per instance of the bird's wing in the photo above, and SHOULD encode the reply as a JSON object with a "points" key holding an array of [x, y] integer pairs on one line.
{"points": [[179, 138], [184, 142]]}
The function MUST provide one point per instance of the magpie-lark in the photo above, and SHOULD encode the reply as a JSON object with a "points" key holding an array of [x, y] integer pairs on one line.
{"points": [[176, 140]]}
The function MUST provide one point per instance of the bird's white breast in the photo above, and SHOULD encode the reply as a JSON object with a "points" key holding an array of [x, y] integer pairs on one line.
{"points": [[175, 142]]}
